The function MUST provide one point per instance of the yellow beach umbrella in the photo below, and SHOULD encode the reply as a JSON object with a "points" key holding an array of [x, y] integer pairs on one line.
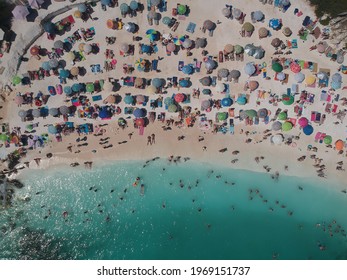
{"points": [[310, 80], [81, 47], [74, 71], [77, 14], [151, 89], [70, 56]]}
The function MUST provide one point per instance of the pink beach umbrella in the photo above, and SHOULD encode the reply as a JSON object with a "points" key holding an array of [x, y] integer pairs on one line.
{"points": [[303, 121], [20, 12], [179, 97], [35, 4], [295, 67], [171, 47]]}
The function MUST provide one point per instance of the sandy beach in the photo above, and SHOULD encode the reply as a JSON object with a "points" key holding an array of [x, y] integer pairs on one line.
{"points": [[228, 150]]}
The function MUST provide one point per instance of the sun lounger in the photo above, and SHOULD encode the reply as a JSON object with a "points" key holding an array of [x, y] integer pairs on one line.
{"points": [[334, 108], [141, 130], [191, 27], [180, 65], [96, 97], [155, 64]]}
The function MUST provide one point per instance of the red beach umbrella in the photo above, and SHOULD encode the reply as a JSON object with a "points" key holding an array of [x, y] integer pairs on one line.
{"points": [[34, 50], [140, 122], [303, 121], [179, 97], [295, 67], [110, 24]]}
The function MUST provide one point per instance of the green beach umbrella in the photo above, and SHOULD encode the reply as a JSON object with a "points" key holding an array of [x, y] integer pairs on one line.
{"points": [[168, 101], [251, 113], [248, 27], [221, 116], [172, 108], [3, 137], [277, 67], [287, 99], [238, 49], [166, 20], [282, 116], [90, 87], [327, 140], [287, 126], [182, 9], [16, 80]]}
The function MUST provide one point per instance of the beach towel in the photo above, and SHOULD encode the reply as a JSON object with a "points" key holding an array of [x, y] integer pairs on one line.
{"points": [[191, 27], [75, 102], [96, 97]]}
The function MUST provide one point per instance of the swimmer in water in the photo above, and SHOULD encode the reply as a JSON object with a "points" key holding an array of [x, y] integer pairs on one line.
{"points": [[163, 205]]}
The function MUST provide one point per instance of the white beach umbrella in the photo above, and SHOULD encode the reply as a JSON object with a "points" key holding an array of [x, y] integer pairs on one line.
{"points": [[220, 87], [277, 139], [281, 76], [2, 34], [299, 77]]}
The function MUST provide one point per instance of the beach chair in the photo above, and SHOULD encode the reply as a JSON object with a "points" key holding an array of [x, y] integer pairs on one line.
{"points": [[180, 65], [155, 64], [334, 108]]}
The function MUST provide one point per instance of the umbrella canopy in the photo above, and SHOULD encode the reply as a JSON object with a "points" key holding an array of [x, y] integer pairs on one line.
{"points": [[299, 77], [49, 27], [58, 44], [228, 48], [281, 76], [187, 43], [287, 99], [130, 27], [67, 90], [90, 87], [82, 7], [53, 112], [238, 49], [241, 100], [226, 102], [179, 97], [248, 27], [308, 130], [187, 69], [235, 74], [295, 67], [322, 76], [210, 64], [167, 21], [157, 82], [64, 73], [105, 113], [106, 2], [276, 126], [140, 64], [140, 99], [335, 85], [287, 31], [20, 12], [152, 34], [336, 77], [179, 40], [124, 47], [87, 48], [52, 129], [139, 113], [276, 42], [205, 104], [339, 145], [209, 25], [146, 48], [206, 91], [223, 73], [19, 100], [200, 43], [339, 59], [151, 14], [253, 85], [134, 5], [275, 23], [259, 53], [110, 24], [263, 32], [181, 9], [303, 121], [171, 47], [140, 122], [64, 110], [16, 80], [220, 87], [172, 108], [310, 80], [74, 71], [70, 56], [258, 15], [250, 68], [321, 47], [128, 99], [155, 2], [36, 113], [77, 14], [286, 126], [46, 66], [22, 113], [184, 83], [277, 67], [251, 113], [139, 82], [34, 50], [277, 139], [222, 116], [282, 116], [152, 89], [206, 81], [76, 87], [35, 4], [262, 113], [53, 63], [168, 101], [237, 13], [250, 49], [327, 140], [226, 12]]}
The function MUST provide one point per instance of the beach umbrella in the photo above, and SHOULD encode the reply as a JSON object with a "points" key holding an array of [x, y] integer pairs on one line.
{"points": [[106, 2], [287, 31], [87, 48], [52, 129], [184, 83], [122, 122], [276, 126], [64, 110], [250, 49], [187, 43], [321, 47], [303, 122], [210, 64], [226, 12], [3, 137], [282, 116], [277, 139], [82, 7], [327, 140], [171, 47], [209, 25], [287, 99], [310, 80], [168, 101], [251, 113], [340, 58], [200, 43], [299, 77], [276, 42], [20, 12], [90, 87], [339, 145], [53, 63], [336, 78], [179, 40], [77, 14], [172, 108], [67, 90], [49, 27], [167, 21], [46, 66], [222, 116], [35, 4], [19, 99], [36, 113], [258, 15], [124, 47], [140, 122], [155, 2], [277, 67], [130, 27], [205, 104], [146, 48], [295, 67], [74, 71], [140, 64], [238, 49], [237, 13], [110, 24], [105, 113], [335, 85], [152, 34], [187, 69], [235, 74], [151, 14], [206, 81], [263, 32], [34, 50], [16, 80], [223, 73], [128, 99], [140, 99], [152, 89], [241, 100], [262, 113], [259, 53], [58, 44], [134, 5], [229, 48], [157, 82], [250, 68], [22, 113], [53, 112], [139, 113], [275, 23], [308, 130], [253, 85], [76, 87], [181, 9], [139, 82], [322, 75], [64, 73], [226, 102], [179, 97], [111, 99], [206, 91], [70, 56], [286, 126], [248, 27], [220, 87], [281, 76]]}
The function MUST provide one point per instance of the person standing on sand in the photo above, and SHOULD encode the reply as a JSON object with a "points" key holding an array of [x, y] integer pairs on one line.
{"points": [[149, 140], [153, 138]]}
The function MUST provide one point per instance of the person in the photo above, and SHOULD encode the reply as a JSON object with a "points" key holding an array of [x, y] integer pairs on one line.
{"points": [[153, 138], [149, 140]]}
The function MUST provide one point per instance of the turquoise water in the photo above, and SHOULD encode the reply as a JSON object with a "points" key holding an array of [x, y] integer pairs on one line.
{"points": [[210, 219]]}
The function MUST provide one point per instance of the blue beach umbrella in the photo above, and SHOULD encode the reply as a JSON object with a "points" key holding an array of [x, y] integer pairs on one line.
{"points": [[275, 23], [106, 2], [104, 113], [226, 102], [76, 87], [64, 73], [241, 100], [134, 5], [187, 69], [168, 101], [166, 20], [146, 48], [308, 130], [152, 34], [157, 82], [335, 85], [49, 27], [139, 113], [184, 83], [52, 129], [82, 8], [46, 66], [128, 99], [67, 90]]}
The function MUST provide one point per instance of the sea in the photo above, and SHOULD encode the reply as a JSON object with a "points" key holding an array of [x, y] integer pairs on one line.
{"points": [[183, 210]]}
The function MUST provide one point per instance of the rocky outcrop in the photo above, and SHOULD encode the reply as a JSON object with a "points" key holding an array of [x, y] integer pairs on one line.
{"points": [[338, 27]]}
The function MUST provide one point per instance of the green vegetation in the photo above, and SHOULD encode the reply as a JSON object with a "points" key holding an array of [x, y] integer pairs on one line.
{"points": [[5, 14], [331, 7]]}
